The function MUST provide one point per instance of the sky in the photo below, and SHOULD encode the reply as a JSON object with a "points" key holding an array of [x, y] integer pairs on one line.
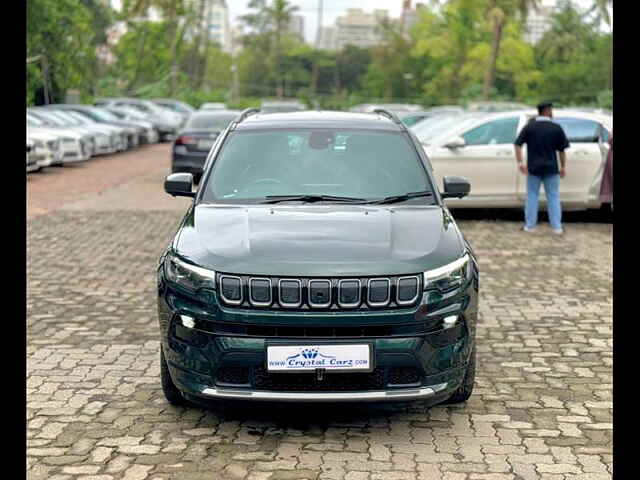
{"points": [[335, 8]]}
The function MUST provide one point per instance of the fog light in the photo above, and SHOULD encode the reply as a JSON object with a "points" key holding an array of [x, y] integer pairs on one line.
{"points": [[450, 321], [188, 321]]}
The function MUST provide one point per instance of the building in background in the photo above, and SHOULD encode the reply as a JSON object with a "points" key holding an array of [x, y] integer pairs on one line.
{"points": [[538, 21], [409, 17], [327, 38], [114, 33], [216, 16], [296, 26], [357, 27]]}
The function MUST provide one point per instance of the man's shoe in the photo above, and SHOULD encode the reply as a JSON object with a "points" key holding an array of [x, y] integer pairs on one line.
{"points": [[527, 229], [557, 231]]}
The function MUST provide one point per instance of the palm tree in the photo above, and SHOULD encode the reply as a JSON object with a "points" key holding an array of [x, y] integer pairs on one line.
{"points": [[272, 18], [498, 13], [171, 10], [280, 13], [601, 10]]}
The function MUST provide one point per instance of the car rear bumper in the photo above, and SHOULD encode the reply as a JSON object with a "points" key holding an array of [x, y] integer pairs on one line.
{"points": [[189, 162]]}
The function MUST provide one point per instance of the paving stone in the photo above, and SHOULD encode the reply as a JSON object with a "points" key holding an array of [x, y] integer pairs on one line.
{"points": [[542, 404]]}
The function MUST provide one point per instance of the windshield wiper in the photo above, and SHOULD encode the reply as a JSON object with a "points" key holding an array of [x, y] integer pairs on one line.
{"points": [[403, 197], [310, 198]]}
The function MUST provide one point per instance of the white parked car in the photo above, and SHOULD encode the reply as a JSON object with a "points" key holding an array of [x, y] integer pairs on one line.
{"points": [[479, 147], [74, 146], [46, 147], [213, 106], [108, 138], [32, 162]]}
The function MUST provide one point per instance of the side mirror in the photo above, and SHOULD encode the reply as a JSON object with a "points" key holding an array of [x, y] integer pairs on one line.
{"points": [[179, 185], [455, 142], [455, 187]]}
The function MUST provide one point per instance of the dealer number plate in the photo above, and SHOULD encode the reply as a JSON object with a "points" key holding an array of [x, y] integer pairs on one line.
{"points": [[298, 358]]}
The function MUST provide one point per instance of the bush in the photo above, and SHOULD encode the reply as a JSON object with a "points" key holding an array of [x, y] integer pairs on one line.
{"points": [[605, 99]]}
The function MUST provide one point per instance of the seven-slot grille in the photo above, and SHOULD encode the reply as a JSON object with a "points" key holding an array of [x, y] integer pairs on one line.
{"points": [[318, 293]]}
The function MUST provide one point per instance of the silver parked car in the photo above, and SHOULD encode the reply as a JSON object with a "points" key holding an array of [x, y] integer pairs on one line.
{"points": [[74, 146], [32, 162], [168, 122], [46, 147]]}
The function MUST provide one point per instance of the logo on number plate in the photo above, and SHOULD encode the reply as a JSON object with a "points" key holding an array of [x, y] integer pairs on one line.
{"points": [[309, 354]]}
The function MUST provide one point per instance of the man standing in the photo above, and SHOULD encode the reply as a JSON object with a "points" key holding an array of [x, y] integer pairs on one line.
{"points": [[543, 138]]}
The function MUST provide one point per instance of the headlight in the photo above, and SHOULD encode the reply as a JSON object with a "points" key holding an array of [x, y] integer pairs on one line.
{"points": [[188, 276], [449, 276]]}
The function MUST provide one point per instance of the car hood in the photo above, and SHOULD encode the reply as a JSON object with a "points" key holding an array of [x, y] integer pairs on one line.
{"points": [[318, 240], [42, 134]]}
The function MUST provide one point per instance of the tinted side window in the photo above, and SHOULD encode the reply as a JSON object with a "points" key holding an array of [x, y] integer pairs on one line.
{"points": [[499, 131], [579, 130]]}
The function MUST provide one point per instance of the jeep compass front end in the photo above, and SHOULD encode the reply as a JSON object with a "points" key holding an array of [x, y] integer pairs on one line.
{"points": [[317, 263]]}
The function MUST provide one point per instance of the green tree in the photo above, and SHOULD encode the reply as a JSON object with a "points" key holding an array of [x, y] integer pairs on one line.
{"points": [[571, 55], [443, 40], [60, 34], [499, 12], [272, 18]]}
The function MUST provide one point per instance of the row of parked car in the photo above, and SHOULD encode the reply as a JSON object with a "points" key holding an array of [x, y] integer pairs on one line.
{"points": [[65, 133], [474, 142]]}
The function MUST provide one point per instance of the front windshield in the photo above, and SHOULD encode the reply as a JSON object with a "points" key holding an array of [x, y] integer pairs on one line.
{"points": [[363, 164], [431, 128], [104, 115], [49, 119], [64, 118], [34, 121], [210, 121], [83, 119]]}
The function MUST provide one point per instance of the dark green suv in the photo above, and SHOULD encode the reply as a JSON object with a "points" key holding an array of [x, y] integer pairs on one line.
{"points": [[317, 262]]}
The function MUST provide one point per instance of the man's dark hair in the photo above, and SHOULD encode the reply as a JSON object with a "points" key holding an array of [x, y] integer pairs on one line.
{"points": [[543, 106]]}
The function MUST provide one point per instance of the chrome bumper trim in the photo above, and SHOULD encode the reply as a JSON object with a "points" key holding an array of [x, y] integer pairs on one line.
{"points": [[381, 395]]}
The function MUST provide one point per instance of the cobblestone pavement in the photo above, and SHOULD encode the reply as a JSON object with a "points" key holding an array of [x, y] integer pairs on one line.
{"points": [[541, 409]]}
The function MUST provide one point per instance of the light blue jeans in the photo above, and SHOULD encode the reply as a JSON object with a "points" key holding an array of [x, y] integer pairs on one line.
{"points": [[552, 190]]}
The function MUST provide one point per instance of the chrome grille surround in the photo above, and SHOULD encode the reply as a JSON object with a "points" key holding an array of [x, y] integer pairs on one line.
{"points": [[285, 304], [319, 305], [407, 302], [231, 301], [251, 300], [351, 304], [378, 304], [365, 292]]}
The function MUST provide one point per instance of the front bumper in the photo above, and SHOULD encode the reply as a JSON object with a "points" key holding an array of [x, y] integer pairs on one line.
{"points": [[207, 361], [371, 396]]}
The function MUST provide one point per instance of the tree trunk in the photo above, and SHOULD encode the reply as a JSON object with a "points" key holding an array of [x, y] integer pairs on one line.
{"points": [[141, 46], [490, 73], [278, 63], [315, 70], [173, 34], [204, 45]]}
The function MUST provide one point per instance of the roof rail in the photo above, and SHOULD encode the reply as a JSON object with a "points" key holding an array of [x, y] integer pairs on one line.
{"points": [[394, 118], [245, 113]]}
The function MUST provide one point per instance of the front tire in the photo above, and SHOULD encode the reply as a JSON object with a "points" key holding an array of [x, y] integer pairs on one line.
{"points": [[171, 392], [464, 391]]}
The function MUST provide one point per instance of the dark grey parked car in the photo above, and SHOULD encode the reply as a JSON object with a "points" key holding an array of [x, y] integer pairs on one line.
{"points": [[192, 146]]}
